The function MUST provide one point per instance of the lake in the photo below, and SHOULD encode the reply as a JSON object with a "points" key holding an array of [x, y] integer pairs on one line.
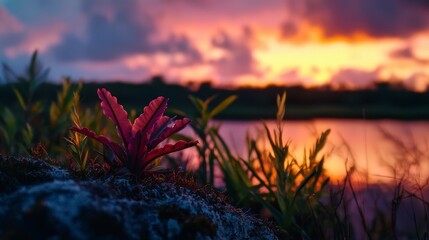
{"points": [[381, 150]]}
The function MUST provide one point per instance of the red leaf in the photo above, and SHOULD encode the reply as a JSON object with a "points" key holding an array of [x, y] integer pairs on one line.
{"points": [[161, 124], [167, 132], [137, 150], [168, 148], [119, 152], [151, 114], [115, 112]]}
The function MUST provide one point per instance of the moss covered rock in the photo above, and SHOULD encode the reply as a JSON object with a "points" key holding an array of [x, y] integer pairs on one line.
{"points": [[38, 201]]}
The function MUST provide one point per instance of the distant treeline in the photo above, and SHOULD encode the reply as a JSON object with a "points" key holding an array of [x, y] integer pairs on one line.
{"points": [[384, 101]]}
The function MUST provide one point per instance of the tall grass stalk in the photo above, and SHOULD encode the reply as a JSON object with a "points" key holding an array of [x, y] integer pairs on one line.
{"points": [[291, 193]]}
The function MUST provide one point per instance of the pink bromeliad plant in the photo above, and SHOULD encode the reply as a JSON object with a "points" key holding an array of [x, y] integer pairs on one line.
{"points": [[139, 148]]}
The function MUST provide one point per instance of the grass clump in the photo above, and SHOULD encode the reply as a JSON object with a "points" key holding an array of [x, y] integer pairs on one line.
{"points": [[290, 189], [267, 179]]}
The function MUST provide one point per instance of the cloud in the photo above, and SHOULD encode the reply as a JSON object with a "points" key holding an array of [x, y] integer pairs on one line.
{"points": [[418, 82], [289, 29], [238, 59], [8, 22], [111, 33], [11, 39], [351, 18], [351, 78], [39, 13], [293, 77], [105, 40], [407, 53], [421, 3], [176, 44], [10, 30], [205, 38], [27, 27], [117, 30]]}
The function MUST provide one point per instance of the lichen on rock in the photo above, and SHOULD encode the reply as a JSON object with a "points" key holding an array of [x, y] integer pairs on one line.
{"points": [[39, 200]]}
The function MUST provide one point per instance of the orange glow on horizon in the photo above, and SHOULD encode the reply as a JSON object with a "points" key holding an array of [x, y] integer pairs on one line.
{"points": [[315, 63], [309, 33], [308, 59], [236, 43]]}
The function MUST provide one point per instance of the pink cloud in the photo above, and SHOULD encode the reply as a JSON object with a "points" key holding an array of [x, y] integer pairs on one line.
{"points": [[9, 24], [237, 60], [407, 53], [293, 77], [351, 78], [418, 82]]}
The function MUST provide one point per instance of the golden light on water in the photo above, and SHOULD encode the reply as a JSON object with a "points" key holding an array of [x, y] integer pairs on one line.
{"points": [[380, 151]]}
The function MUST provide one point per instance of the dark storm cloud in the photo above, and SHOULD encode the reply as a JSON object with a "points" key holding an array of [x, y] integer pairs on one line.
{"points": [[119, 29], [421, 3], [106, 40], [376, 18], [180, 44]]}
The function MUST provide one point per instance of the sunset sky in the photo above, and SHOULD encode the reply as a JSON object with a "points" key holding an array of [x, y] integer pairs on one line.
{"points": [[237, 42]]}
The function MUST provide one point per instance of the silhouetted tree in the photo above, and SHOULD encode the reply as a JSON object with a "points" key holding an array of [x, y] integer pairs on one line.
{"points": [[157, 80]]}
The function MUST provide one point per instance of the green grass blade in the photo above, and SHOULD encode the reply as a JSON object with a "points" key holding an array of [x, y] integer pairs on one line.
{"points": [[224, 104]]}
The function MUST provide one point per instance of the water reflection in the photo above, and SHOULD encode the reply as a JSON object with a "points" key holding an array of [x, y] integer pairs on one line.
{"points": [[381, 150], [388, 187]]}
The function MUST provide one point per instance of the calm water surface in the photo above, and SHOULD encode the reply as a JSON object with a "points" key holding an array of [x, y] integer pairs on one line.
{"points": [[381, 150]]}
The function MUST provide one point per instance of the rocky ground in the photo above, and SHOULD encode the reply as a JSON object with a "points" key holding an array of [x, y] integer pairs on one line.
{"points": [[40, 201]]}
